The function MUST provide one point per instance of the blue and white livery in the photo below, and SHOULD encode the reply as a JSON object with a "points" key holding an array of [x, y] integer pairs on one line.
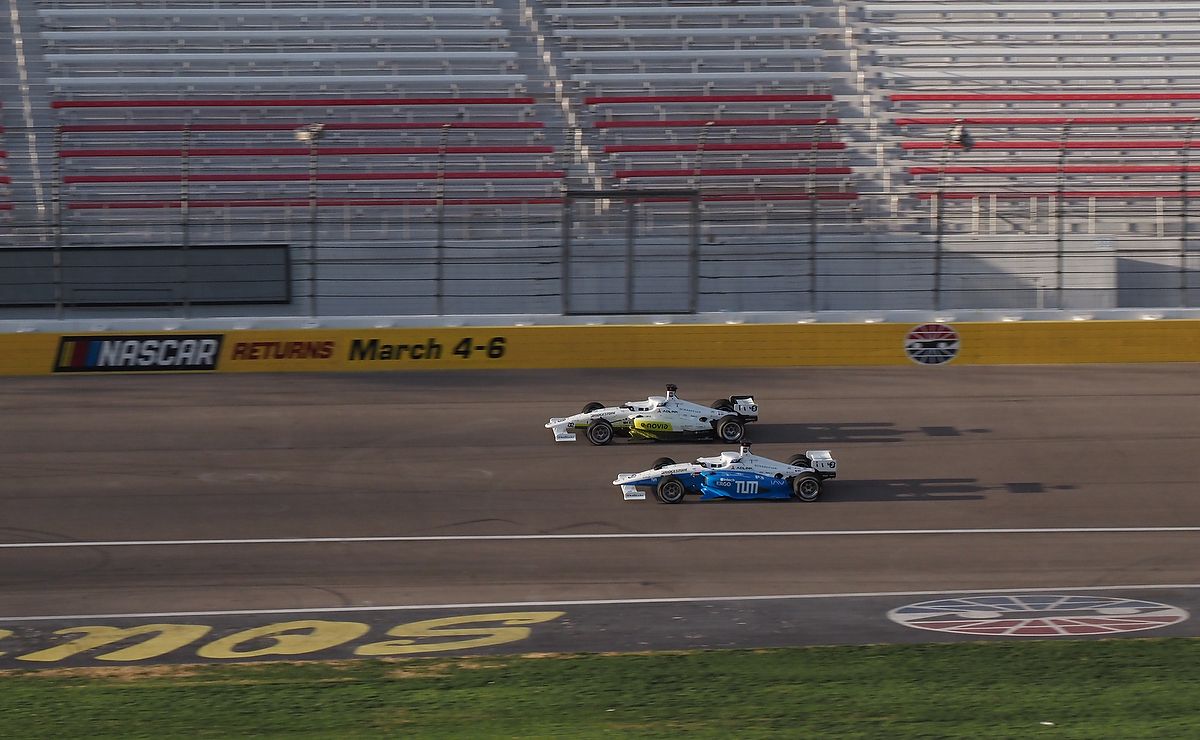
{"points": [[735, 475]]}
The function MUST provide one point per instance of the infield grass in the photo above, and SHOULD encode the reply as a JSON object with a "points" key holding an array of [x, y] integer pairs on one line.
{"points": [[1131, 688]]}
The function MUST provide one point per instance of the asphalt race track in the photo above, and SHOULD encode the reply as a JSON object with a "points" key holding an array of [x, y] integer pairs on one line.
{"points": [[328, 515]]}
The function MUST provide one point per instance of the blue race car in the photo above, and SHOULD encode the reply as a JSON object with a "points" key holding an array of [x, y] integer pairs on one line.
{"points": [[735, 475]]}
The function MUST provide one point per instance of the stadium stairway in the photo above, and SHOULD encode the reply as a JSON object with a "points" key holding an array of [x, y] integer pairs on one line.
{"points": [[28, 126]]}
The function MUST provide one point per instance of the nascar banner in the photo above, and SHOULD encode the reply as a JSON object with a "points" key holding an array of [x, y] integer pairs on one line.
{"points": [[531, 347]]}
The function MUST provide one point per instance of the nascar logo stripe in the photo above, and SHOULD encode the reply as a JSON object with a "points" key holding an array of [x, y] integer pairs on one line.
{"points": [[138, 353]]}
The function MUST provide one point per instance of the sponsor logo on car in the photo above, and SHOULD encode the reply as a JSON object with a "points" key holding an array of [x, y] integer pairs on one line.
{"points": [[653, 426], [138, 353]]}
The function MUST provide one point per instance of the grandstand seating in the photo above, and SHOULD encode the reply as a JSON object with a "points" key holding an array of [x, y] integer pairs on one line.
{"points": [[136, 48], [1075, 110], [1057, 163], [6, 205], [241, 156], [740, 157], [669, 47], [815, 117], [734, 100], [421, 107]]}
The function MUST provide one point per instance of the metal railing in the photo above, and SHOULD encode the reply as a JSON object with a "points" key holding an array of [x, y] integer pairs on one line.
{"points": [[424, 233]]}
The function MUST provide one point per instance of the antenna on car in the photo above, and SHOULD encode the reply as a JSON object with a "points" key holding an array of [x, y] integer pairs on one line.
{"points": [[671, 390]]}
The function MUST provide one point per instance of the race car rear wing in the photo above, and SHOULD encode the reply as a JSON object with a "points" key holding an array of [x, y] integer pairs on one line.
{"points": [[745, 406], [823, 462]]}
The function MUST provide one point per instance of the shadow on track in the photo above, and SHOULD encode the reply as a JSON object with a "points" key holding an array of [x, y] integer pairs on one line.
{"points": [[822, 433], [847, 433], [928, 489]]}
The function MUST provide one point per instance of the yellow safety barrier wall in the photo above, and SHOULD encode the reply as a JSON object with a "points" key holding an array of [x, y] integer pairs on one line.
{"points": [[672, 345]]}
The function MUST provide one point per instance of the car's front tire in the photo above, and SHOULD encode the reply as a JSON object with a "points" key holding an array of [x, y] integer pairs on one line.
{"points": [[662, 462], [730, 429], [593, 406], [600, 432], [806, 487], [670, 490]]}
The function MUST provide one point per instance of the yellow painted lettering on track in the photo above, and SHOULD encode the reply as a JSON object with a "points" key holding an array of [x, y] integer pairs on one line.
{"points": [[437, 629], [4, 634], [163, 639], [286, 638]]}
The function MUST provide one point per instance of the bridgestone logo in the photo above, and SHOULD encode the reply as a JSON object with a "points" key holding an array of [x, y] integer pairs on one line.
{"points": [[139, 353]]}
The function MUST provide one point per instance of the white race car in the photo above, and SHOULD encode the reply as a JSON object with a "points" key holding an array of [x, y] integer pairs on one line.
{"points": [[735, 475], [666, 417]]}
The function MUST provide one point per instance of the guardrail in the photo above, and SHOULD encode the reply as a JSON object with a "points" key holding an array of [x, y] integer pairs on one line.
{"points": [[384, 344]]}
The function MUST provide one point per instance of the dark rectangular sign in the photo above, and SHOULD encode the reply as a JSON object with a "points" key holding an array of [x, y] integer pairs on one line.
{"points": [[228, 274], [138, 353]]}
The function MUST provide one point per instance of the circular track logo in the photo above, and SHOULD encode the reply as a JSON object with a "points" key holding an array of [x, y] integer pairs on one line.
{"points": [[1037, 615], [931, 344]]}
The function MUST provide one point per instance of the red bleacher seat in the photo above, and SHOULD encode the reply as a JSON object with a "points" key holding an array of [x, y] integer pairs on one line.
{"points": [[242, 152]]}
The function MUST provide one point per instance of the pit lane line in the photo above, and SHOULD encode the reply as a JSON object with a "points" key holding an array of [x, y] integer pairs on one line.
{"points": [[595, 602], [594, 536]]}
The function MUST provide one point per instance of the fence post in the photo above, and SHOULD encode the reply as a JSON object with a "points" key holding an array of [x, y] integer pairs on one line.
{"points": [[1059, 210], [184, 212], [440, 253], [694, 254], [565, 258], [311, 135], [56, 205], [1184, 202], [814, 150], [955, 135]]}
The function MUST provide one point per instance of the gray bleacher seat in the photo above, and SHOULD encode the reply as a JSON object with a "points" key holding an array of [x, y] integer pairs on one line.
{"points": [[764, 76], [435, 80], [274, 12], [292, 56], [1058, 27], [1011, 6], [1016, 72], [694, 54], [307, 35], [1102, 49], [632, 11], [727, 33]]}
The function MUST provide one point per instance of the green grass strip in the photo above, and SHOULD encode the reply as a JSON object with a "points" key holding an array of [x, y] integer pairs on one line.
{"points": [[1132, 688]]}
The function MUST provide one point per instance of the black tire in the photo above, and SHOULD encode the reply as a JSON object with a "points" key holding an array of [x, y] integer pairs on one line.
{"points": [[806, 487], [670, 490], [662, 462], [593, 406], [730, 429], [801, 460], [722, 404], [600, 432]]}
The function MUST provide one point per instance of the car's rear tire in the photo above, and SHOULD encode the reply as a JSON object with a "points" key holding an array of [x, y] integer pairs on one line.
{"points": [[670, 490], [600, 432], [806, 487], [730, 429], [662, 462], [593, 406], [722, 404], [800, 460]]}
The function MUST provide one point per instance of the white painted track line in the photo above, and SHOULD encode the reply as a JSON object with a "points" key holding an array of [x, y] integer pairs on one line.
{"points": [[596, 602], [593, 536]]}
